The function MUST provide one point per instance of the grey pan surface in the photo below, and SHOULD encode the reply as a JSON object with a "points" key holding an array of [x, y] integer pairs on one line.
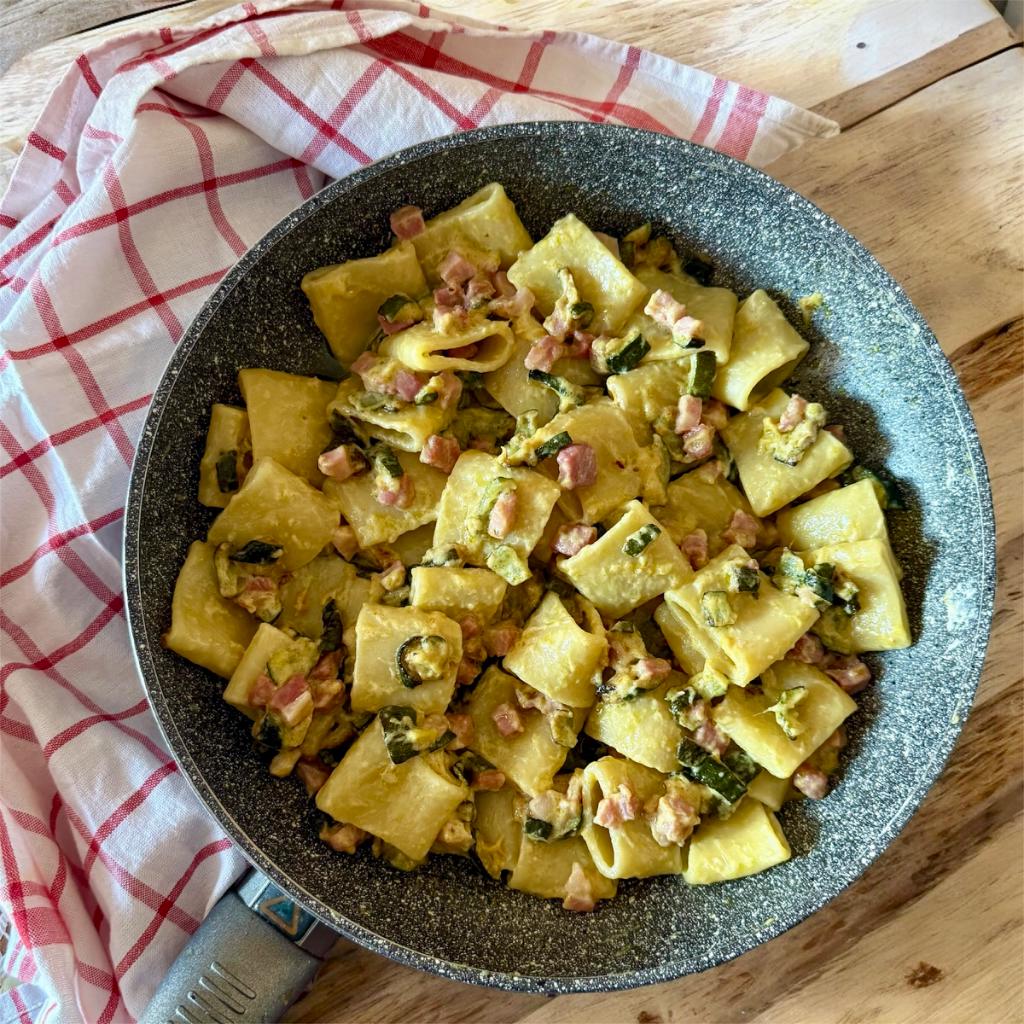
{"points": [[875, 364]]}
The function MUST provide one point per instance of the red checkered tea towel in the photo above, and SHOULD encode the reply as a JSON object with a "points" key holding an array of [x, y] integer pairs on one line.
{"points": [[158, 160]]}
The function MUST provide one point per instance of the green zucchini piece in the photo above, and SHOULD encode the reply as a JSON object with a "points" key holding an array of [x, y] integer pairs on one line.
{"points": [[744, 580], [400, 309], [469, 764], [385, 460], [637, 541], [846, 597], [330, 638], [629, 355], [717, 609], [700, 270], [508, 564], [818, 579], [341, 427], [257, 552], [681, 702], [569, 395], [742, 765], [785, 711], [227, 472], [267, 734], [710, 683], [538, 830], [581, 314], [421, 659], [698, 765], [702, 374], [561, 723], [554, 445], [470, 379], [425, 396], [404, 739]]}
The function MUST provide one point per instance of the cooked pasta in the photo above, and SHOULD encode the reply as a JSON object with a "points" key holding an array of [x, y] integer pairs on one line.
{"points": [[558, 578]]}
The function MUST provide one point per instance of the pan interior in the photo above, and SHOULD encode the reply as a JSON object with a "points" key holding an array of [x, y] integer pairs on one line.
{"points": [[873, 362]]}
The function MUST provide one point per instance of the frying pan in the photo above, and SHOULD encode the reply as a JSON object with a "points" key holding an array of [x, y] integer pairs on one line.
{"points": [[879, 370]]}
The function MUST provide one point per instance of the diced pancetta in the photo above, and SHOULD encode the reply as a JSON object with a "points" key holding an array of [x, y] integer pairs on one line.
{"points": [[577, 466], [808, 649], [503, 515], [695, 547], [455, 269], [572, 538], [673, 820], [742, 530], [407, 385], [579, 893], [262, 690], [793, 413], [848, 671], [811, 781], [714, 414], [462, 726], [610, 243], [708, 737], [408, 222], [500, 638], [544, 353], [491, 779], [621, 806], [440, 452], [698, 443], [688, 413], [507, 720], [449, 389], [398, 492], [342, 462], [464, 351]]}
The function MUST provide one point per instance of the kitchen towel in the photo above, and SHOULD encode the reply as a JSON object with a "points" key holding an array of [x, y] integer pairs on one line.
{"points": [[158, 160]]}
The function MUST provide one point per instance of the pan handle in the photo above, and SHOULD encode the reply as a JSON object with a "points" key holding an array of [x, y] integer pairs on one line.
{"points": [[253, 956]]}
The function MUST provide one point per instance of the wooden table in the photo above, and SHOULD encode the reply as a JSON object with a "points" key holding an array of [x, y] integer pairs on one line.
{"points": [[928, 174]]}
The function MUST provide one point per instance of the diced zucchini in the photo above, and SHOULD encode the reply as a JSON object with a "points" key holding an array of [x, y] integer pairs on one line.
{"points": [[581, 313], [785, 711], [554, 445], [717, 609], [508, 564], [681, 703], [744, 580], [818, 579], [637, 541], [627, 357], [257, 552], [789, 447], [404, 738], [702, 374], [710, 683], [422, 659], [698, 765], [227, 472], [296, 659], [742, 765], [385, 461], [330, 638], [400, 309], [569, 395]]}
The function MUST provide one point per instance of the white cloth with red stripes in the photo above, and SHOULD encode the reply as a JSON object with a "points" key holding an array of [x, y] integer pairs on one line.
{"points": [[158, 160]]}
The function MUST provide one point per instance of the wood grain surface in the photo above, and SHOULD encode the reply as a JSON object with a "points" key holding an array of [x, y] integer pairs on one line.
{"points": [[930, 176]]}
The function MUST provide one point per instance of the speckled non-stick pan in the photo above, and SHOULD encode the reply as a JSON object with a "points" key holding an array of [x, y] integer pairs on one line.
{"points": [[875, 364]]}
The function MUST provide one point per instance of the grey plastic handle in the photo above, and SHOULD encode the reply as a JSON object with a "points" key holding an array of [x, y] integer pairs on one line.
{"points": [[253, 956]]}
